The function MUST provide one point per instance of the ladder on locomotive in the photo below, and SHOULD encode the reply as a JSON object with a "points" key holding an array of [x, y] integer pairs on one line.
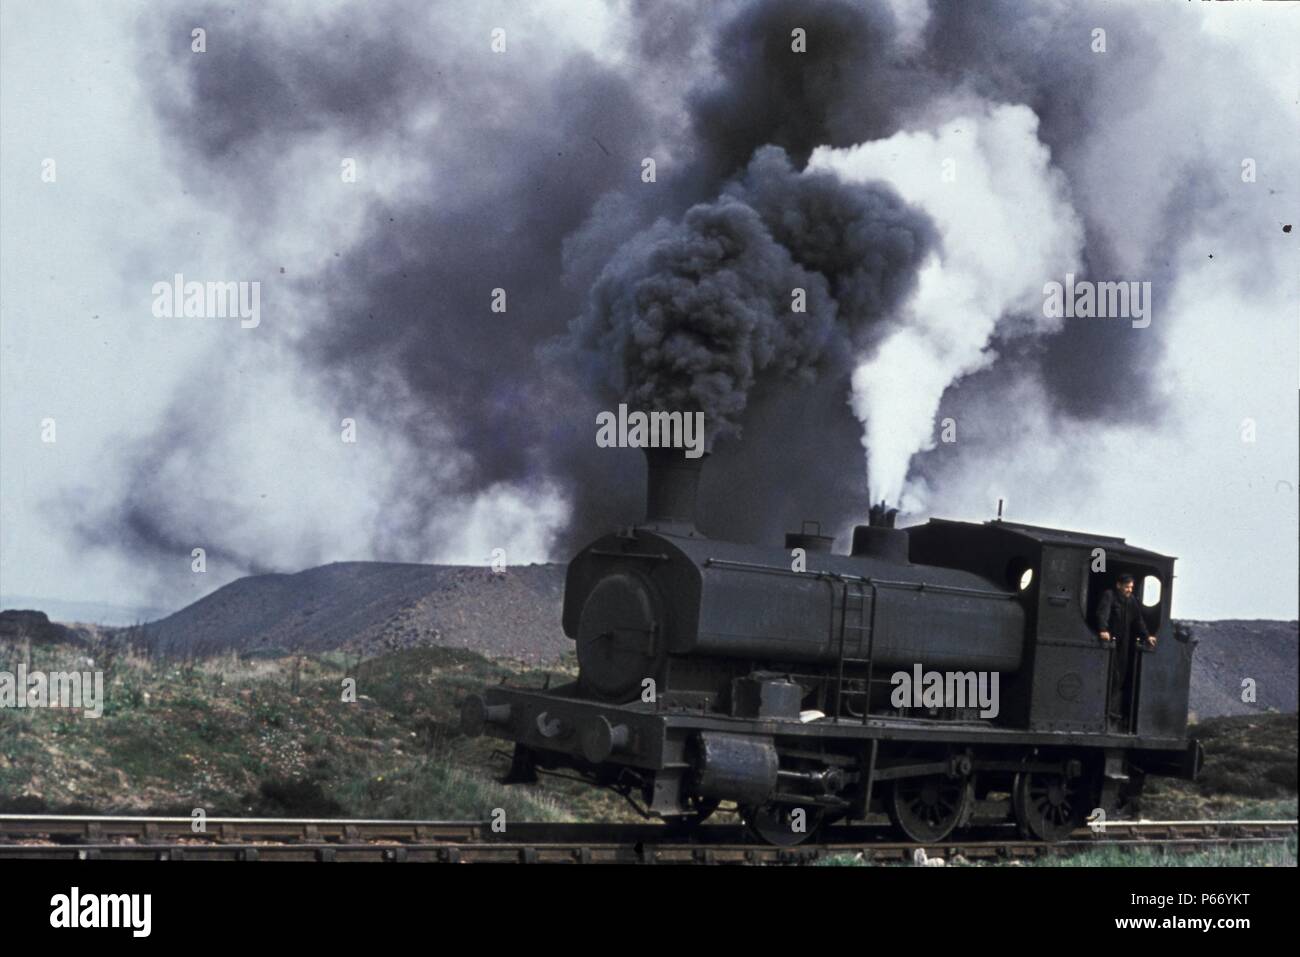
{"points": [[853, 610]]}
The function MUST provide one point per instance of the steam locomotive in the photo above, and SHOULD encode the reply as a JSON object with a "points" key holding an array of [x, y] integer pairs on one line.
{"points": [[712, 671]]}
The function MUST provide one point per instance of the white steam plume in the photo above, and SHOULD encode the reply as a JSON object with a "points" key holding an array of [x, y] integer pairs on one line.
{"points": [[1007, 225]]}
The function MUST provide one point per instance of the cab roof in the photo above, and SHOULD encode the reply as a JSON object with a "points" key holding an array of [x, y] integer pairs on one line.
{"points": [[1052, 536]]}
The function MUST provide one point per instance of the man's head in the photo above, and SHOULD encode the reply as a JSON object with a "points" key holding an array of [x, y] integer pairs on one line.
{"points": [[1124, 583]]}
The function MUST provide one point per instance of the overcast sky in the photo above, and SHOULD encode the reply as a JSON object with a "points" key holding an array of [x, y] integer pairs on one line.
{"points": [[1212, 481]]}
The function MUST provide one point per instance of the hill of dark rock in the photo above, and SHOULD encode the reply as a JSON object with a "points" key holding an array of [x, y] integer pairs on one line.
{"points": [[374, 606], [1232, 650], [19, 624]]}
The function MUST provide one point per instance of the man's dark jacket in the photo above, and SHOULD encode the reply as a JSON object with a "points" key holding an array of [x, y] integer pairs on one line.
{"points": [[1122, 617]]}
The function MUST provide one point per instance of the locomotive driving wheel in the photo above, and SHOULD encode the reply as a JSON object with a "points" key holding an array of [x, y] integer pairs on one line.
{"points": [[782, 824], [1048, 806], [927, 809]]}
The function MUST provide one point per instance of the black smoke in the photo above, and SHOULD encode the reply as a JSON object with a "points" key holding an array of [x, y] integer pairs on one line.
{"points": [[850, 84], [675, 293], [775, 284]]}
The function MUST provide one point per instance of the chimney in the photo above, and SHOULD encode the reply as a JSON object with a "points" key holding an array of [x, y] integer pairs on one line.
{"points": [[880, 539], [672, 484], [881, 516]]}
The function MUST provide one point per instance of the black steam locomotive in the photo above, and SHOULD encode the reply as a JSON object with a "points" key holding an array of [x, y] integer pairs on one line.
{"points": [[712, 671]]}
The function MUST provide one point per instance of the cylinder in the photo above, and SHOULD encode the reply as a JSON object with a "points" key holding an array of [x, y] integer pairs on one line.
{"points": [[735, 767]]}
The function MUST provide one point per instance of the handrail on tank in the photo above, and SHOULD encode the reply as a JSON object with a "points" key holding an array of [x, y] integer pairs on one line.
{"points": [[866, 580]]}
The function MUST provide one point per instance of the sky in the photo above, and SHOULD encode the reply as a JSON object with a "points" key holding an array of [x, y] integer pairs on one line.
{"points": [[174, 434]]}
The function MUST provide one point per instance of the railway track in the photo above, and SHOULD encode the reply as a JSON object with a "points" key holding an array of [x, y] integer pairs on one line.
{"points": [[69, 837]]}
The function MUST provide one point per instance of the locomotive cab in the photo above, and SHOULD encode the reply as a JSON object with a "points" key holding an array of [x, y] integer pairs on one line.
{"points": [[1067, 684]]}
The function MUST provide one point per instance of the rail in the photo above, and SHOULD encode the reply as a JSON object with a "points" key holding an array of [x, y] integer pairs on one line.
{"points": [[71, 837]]}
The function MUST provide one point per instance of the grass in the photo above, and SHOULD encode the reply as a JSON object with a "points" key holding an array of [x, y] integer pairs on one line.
{"points": [[275, 736], [1249, 772], [1249, 855]]}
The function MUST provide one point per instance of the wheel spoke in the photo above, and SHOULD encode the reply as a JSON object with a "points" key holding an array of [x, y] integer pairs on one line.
{"points": [[928, 809], [1047, 805]]}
